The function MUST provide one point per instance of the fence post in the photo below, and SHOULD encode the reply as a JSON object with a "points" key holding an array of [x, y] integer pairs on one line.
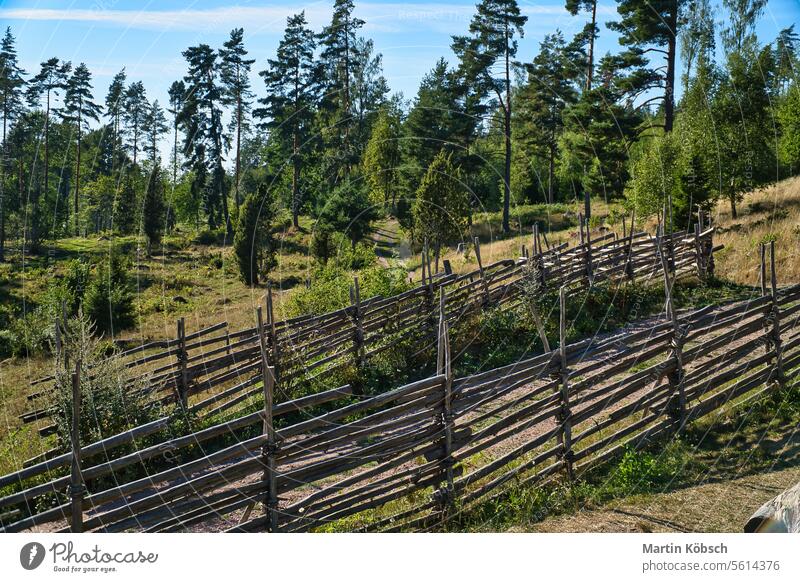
{"points": [[699, 257], [588, 241], [775, 331], [675, 377], [358, 336], [485, 286], [629, 254], [76, 488], [564, 414], [273, 335], [444, 368], [183, 360], [270, 447]]}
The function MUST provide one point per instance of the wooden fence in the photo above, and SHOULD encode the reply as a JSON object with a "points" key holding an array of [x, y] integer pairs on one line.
{"points": [[415, 456], [215, 370]]}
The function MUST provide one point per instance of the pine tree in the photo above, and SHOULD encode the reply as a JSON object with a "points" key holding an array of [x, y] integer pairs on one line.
{"points": [[381, 159], [153, 209], [154, 125], [441, 210], [202, 118], [786, 48], [115, 106], [135, 107], [177, 93], [549, 90], [338, 57], [234, 75], [573, 7], [292, 81], [651, 26], [492, 41], [47, 84], [78, 109], [11, 85], [254, 243]]}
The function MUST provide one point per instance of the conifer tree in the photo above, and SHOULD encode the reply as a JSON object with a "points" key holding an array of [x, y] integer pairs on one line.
{"points": [[492, 40], [254, 243], [293, 84], [135, 102], [11, 86], [648, 26], [47, 84], [234, 75], [154, 125], [115, 106], [441, 210], [78, 109], [573, 7], [381, 159], [153, 209]]}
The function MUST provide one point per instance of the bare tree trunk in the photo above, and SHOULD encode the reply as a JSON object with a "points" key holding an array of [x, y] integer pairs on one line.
{"points": [[78, 171], [507, 173], [669, 91], [590, 56]]}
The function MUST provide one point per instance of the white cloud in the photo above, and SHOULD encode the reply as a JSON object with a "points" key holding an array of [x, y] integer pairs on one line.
{"points": [[390, 17]]}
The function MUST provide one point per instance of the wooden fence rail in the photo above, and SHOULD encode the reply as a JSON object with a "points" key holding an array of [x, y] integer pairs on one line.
{"points": [[215, 370], [400, 460]]}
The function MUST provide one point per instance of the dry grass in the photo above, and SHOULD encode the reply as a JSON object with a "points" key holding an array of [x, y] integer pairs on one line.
{"points": [[771, 213]]}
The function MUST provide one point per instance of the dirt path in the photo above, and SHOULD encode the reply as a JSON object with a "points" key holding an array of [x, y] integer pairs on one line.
{"points": [[723, 506]]}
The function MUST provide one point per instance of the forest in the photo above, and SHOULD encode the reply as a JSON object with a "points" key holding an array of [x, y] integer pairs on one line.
{"points": [[688, 112]]}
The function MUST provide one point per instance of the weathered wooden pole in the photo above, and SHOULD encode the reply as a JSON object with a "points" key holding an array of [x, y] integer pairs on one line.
{"points": [[779, 377], [273, 334], [76, 488], [269, 448], [677, 375], [444, 368], [484, 284], [183, 361], [564, 414], [629, 272], [699, 256], [358, 334]]}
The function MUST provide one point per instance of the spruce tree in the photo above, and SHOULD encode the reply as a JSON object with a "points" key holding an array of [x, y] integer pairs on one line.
{"points": [[293, 85], [78, 109], [492, 40], [234, 75]]}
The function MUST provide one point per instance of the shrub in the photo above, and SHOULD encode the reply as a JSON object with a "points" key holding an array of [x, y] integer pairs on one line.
{"points": [[109, 299], [111, 401]]}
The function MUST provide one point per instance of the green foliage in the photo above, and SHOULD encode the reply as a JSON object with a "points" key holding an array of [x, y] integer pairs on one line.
{"points": [[153, 214], [655, 176], [111, 400], [789, 118], [109, 299], [381, 158], [349, 211], [644, 471], [254, 243], [441, 209]]}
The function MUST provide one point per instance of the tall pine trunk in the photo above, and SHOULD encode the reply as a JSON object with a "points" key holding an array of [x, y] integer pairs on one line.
{"points": [[78, 172], [507, 173], [238, 148], [3, 183], [669, 96], [590, 56]]}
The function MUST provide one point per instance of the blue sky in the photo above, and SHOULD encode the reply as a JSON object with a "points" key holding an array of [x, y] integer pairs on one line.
{"points": [[147, 37]]}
